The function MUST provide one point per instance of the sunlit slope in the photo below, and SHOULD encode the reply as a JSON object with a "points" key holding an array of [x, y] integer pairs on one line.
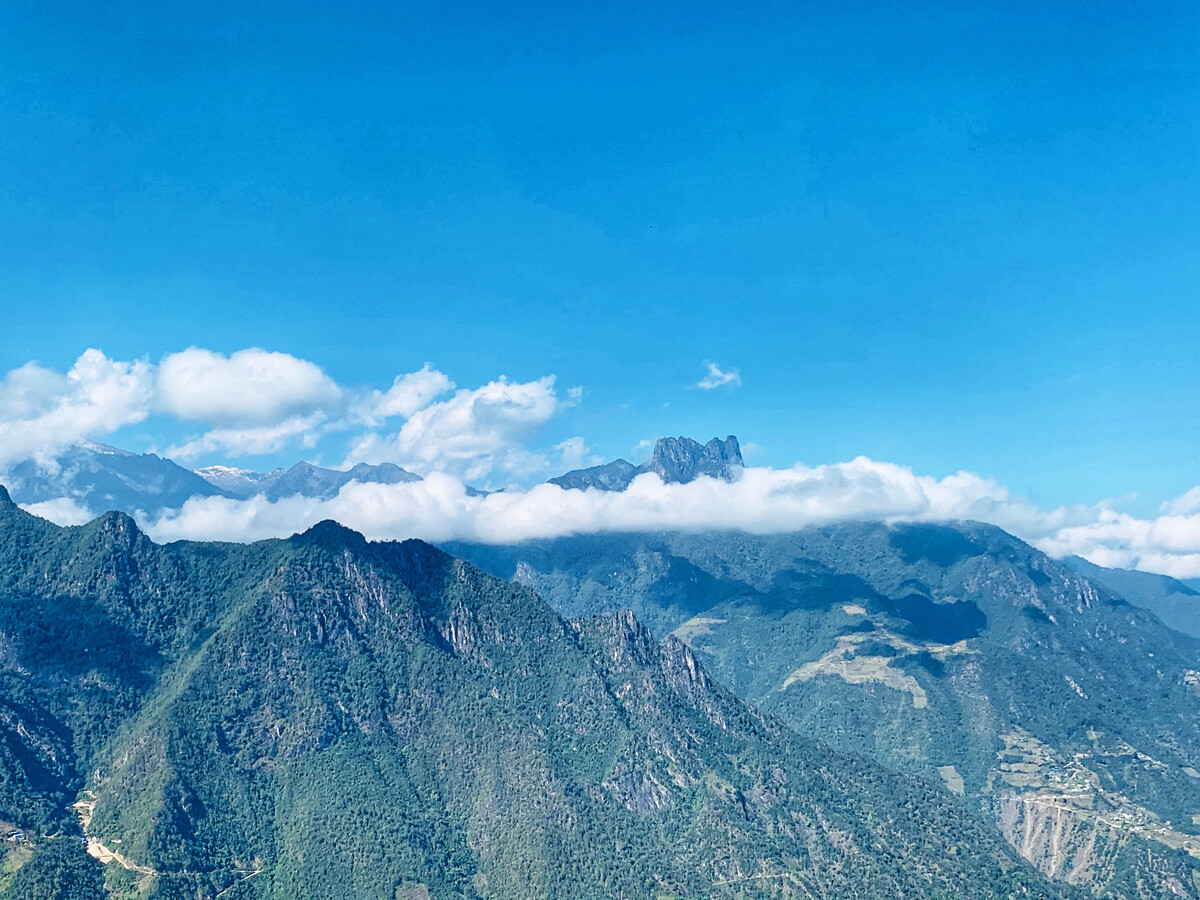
{"points": [[326, 717], [956, 652]]}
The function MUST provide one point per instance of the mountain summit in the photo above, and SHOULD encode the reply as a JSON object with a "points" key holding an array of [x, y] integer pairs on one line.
{"points": [[676, 460]]}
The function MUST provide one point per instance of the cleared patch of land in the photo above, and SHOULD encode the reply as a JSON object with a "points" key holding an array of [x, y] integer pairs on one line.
{"points": [[847, 662], [695, 627], [954, 781]]}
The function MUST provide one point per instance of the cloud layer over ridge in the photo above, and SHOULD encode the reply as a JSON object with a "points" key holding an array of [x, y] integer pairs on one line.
{"points": [[255, 401], [763, 500]]}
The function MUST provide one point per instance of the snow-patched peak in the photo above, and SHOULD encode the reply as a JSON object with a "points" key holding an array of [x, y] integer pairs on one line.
{"points": [[103, 449], [237, 481], [301, 480]]}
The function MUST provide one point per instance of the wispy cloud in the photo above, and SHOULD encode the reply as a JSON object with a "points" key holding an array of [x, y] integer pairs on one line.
{"points": [[718, 377]]}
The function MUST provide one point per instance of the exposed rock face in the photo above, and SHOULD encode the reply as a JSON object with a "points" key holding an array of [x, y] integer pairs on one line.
{"points": [[1079, 849], [1175, 602], [682, 460], [676, 460]]}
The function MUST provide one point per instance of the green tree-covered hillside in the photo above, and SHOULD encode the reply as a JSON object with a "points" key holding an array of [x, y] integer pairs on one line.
{"points": [[327, 717]]}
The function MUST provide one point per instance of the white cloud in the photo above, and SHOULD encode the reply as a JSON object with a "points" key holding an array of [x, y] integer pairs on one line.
{"points": [[1185, 505], [256, 402], [1169, 544], [254, 441], [473, 433], [762, 501], [717, 377], [251, 388], [61, 511], [408, 394], [43, 412]]}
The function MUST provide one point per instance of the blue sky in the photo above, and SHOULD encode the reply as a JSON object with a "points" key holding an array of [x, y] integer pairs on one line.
{"points": [[954, 236]]}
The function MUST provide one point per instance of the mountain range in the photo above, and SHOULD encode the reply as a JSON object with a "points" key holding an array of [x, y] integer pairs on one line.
{"points": [[303, 480], [324, 717], [1066, 715], [101, 478], [1047, 702]]}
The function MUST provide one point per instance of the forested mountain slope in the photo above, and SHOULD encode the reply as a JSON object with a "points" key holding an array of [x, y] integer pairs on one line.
{"points": [[1173, 601], [327, 717], [956, 652]]}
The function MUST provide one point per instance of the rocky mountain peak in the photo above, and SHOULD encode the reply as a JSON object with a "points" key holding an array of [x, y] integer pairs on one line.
{"points": [[681, 459], [676, 460]]}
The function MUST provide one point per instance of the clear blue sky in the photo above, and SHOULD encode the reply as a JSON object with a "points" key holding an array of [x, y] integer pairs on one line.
{"points": [[950, 235]]}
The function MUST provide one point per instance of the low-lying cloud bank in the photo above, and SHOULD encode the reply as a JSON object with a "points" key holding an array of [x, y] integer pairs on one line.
{"points": [[762, 501]]}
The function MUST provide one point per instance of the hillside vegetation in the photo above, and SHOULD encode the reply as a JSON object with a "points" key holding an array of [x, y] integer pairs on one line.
{"points": [[324, 717], [955, 652]]}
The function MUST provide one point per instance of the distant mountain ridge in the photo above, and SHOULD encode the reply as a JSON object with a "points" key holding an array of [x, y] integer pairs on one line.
{"points": [[104, 478], [676, 460], [303, 479], [101, 478]]}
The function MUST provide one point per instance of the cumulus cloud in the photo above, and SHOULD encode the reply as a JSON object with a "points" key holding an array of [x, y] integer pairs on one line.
{"points": [[249, 388], [42, 412], [255, 402], [717, 377], [473, 433], [408, 394], [258, 400], [1168, 544]]}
